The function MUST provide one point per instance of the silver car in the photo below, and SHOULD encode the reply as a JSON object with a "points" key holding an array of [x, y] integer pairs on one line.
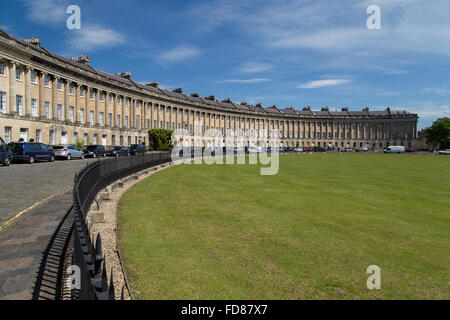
{"points": [[68, 152]]}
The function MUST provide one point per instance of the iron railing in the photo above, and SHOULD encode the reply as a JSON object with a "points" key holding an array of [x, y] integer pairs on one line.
{"points": [[87, 256]]}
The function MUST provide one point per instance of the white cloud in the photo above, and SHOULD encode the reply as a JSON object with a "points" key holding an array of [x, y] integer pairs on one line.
{"points": [[323, 83], [441, 91], [246, 80], [179, 53], [254, 67], [46, 12], [91, 38]]}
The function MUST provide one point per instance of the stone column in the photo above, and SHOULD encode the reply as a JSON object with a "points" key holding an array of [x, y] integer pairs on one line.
{"points": [[12, 88], [41, 76], [76, 111], [114, 99], [27, 98], [96, 111], [66, 100], [54, 98]]}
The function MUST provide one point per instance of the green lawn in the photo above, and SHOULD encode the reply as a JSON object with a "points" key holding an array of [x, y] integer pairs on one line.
{"points": [[310, 232]]}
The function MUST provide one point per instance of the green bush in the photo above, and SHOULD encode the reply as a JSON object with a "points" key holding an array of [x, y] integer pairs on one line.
{"points": [[79, 144], [160, 139]]}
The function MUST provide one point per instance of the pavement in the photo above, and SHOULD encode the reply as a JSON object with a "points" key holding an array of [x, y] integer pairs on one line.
{"points": [[22, 185], [34, 201], [25, 247]]}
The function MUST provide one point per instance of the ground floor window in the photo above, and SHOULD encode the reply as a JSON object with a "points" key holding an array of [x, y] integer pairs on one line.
{"points": [[7, 134], [38, 135], [63, 137], [52, 137]]}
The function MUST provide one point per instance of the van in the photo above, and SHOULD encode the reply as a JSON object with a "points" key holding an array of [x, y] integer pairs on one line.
{"points": [[5, 155], [31, 152], [395, 149]]}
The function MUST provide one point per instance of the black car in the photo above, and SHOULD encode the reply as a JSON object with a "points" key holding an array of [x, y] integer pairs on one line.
{"points": [[319, 149], [5, 155], [95, 151], [119, 152], [31, 152], [137, 149]]}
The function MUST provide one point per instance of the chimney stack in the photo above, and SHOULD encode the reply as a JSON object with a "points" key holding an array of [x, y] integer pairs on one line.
{"points": [[178, 90], [153, 84], [125, 75], [34, 41], [211, 98], [82, 59]]}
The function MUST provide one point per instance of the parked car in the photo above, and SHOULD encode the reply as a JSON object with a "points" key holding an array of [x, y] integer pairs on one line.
{"points": [[254, 150], [395, 149], [31, 152], [119, 152], [347, 150], [137, 149], [319, 149], [447, 151], [68, 152], [410, 150], [308, 149], [6, 156], [365, 149], [95, 151], [298, 149]]}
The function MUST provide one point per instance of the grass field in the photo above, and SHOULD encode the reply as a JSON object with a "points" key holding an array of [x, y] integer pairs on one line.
{"points": [[310, 232]]}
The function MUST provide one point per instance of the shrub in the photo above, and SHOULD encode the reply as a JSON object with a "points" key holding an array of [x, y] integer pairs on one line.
{"points": [[160, 139]]}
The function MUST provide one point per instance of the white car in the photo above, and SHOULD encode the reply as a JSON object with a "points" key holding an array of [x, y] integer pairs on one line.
{"points": [[254, 149], [447, 151], [298, 149]]}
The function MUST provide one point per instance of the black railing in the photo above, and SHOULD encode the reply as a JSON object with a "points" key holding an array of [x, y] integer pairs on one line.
{"points": [[91, 282]]}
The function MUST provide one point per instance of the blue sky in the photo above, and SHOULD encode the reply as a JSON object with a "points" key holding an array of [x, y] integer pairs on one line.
{"points": [[289, 53]]}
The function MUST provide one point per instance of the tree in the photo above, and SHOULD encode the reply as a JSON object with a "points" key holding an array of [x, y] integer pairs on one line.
{"points": [[438, 135], [160, 139], [79, 144]]}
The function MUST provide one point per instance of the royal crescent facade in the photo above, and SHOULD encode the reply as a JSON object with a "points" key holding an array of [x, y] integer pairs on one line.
{"points": [[57, 100]]}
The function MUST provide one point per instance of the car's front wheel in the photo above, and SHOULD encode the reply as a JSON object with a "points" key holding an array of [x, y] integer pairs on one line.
{"points": [[7, 161], [69, 157], [52, 159], [31, 160], [94, 155], [82, 157]]}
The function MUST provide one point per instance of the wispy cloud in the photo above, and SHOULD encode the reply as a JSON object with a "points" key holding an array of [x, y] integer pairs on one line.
{"points": [[248, 81], [46, 12], [441, 90], [179, 53], [91, 38], [323, 83], [254, 67]]}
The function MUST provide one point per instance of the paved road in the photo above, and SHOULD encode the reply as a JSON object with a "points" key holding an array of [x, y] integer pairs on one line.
{"points": [[27, 252], [22, 185]]}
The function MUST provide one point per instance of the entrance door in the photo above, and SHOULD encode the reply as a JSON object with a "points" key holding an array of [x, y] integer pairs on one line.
{"points": [[104, 140], [64, 138], [24, 134]]}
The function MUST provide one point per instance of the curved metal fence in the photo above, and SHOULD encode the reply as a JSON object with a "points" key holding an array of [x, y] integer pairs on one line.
{"points": [[88, 280]]}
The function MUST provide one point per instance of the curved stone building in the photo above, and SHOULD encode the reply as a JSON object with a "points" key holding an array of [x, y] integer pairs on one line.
{"points": [[56, 100]]}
